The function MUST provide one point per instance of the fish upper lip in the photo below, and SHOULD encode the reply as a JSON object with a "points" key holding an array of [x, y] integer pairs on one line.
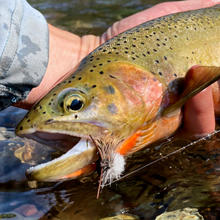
{"points": [[92, 122]]}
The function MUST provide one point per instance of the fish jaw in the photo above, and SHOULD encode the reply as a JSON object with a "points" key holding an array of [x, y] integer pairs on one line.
{"points": [[77, 161], [81, 156]]}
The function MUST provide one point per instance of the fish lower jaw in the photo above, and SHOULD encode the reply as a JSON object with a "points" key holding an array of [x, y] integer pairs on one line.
{"points": [[78, 157]]}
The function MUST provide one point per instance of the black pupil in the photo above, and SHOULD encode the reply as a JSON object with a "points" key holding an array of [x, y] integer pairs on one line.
{"points": [[76, 104]]}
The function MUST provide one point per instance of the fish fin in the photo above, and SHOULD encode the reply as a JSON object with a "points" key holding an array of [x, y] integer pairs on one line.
{"points": [[196, 79]]}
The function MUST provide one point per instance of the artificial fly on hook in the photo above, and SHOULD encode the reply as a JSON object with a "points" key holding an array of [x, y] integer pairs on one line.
{"points": [[112, 164]]}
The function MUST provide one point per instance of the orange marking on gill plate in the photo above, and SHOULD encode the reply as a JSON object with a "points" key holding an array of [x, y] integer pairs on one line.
{"points": [[85, 170], [128, 144]]}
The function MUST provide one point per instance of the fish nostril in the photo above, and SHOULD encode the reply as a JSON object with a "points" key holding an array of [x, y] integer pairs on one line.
{"points": [[49, 121]]}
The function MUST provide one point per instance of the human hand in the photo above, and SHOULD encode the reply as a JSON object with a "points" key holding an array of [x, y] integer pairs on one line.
{"points": [[67, 50]]}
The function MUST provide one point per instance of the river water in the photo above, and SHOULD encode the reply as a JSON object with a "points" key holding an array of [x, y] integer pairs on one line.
{"points": [[190, 178]]}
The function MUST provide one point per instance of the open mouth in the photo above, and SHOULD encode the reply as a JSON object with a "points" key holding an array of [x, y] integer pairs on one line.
{"points": [[79, 157]]}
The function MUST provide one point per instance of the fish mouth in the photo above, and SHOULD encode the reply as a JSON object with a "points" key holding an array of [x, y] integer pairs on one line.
{"points": [[79, 158]]}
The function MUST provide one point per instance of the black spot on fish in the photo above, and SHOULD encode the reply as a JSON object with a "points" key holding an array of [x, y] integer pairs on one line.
{"points": [[93, 86], [109, 89], [61, 104], [157, 61], [21, 128], [54, 94], [73, 77], [160, 73], [175, 74], [28, 120], [148, 52], [97, 58], [69, 81], [79, 78], [112, 108], [44, 113], [108, 61], [101, 72], [155, 50], [76, 116], [91, 70], [165, 58]]}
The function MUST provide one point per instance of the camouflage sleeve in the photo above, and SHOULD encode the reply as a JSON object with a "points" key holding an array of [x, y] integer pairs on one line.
{"points": [[23, 50]]}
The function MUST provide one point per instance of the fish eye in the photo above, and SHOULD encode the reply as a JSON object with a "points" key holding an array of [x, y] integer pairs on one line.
{"points": [[73, 103]]}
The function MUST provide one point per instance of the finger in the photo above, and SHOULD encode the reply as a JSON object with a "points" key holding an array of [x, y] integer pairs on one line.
{"points": [[199, 117], [154, 12]]}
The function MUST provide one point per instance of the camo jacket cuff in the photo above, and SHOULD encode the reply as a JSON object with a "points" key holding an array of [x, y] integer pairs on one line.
{"points": [[23, 50]]}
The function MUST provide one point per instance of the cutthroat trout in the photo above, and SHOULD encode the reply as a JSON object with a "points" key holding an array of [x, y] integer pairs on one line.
{"points": [[126, 94]]}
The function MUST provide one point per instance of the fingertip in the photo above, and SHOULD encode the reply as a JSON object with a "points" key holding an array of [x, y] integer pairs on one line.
{"points": [[199, 117]]}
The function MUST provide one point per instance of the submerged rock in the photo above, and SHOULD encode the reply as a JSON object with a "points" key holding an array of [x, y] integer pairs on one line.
{"points": [[121, 217], [181, 214]]}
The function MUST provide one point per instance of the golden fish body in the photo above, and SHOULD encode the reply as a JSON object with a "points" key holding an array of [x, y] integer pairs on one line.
{"points": [[118, 91]]}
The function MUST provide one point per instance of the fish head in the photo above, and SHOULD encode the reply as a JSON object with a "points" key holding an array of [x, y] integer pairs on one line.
{"points": [[95, 104]]}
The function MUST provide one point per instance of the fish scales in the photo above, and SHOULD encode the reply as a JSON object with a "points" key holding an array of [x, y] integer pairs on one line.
{"points": [[124, 94], [170, 45]]}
